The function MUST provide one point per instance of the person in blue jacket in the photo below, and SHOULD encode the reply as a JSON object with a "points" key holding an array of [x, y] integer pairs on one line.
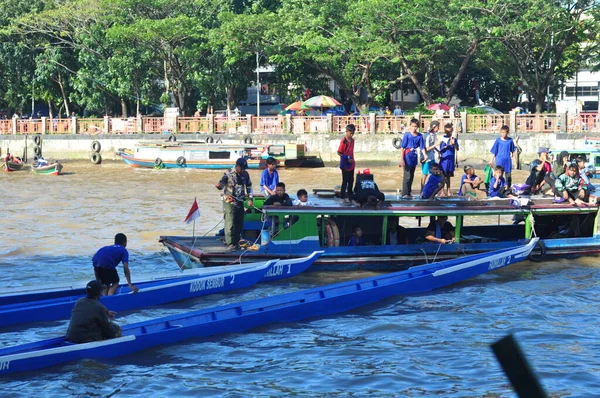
{"points": [[503, 149]]}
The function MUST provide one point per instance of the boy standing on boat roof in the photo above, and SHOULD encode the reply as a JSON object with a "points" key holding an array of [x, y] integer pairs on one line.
{"points": [[448, 148], [412, 145], [90, 319], [347, 164], [269, 177], [503, 149], [105, 263], [235, 184]]}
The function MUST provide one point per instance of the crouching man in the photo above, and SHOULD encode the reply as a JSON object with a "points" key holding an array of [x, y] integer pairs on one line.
{"points": [[90, 319]]}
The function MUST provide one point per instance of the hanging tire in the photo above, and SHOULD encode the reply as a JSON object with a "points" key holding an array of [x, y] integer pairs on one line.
{"points": [[172, 137], [158, 162], [96, 147], [538, 253], [37, 139], [248, 140], [210, 140], [37, 151], [397, 143], [96, 158], [180, 161]]}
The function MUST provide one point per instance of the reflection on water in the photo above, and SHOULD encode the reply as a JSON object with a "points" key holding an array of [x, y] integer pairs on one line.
{"points": [[428, 345]]}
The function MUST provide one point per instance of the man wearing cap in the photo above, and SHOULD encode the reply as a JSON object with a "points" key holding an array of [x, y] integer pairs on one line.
{"points": [[235, 184], [540, 178], [90, 319]]}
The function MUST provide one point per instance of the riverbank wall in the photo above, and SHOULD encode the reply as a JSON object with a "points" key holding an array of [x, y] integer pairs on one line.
{"points": [[375, 148]]}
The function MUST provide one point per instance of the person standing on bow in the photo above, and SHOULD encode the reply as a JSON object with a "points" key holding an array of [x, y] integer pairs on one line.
{"points": [[503, 149], [235, 184], [347, 164], [412, 145]]}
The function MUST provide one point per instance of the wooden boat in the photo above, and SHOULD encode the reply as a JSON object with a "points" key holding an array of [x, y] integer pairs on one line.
{"points": [[478, 226], [292, 155], [282, 269], [190, 154], [159, 292], [13, 166], [239, 317], [51, 169]]}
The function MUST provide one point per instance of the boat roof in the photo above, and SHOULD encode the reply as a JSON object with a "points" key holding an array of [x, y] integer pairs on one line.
{"points": [[198, 144]]}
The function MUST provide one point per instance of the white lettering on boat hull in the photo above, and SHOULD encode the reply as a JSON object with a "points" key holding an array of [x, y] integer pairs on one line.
{"points": [[4, 365], [498, 263], [276, 270], [207, 284]]}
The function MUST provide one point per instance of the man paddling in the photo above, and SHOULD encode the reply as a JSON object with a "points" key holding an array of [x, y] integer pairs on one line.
{"points": [[105, 263], [90, 319]]}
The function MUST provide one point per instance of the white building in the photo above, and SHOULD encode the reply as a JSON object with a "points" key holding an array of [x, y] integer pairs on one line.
{"points": [[580, 93]]}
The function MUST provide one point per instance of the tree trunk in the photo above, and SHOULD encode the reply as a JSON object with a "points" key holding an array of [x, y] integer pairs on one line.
{"points": [[50, 113], [63, 94], [123, 108], [461, 71], [540, 99]]}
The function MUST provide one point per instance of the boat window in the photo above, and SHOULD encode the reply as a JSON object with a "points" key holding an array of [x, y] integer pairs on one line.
{"points": [[597, 161], [219, 154], [276, 150], [478, 229]]}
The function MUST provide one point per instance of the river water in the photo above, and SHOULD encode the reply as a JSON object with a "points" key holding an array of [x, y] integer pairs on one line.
{"points": [[433, 344]]}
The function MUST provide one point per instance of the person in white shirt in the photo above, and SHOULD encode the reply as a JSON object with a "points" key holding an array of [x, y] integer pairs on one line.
{"points": [[302, 199]]}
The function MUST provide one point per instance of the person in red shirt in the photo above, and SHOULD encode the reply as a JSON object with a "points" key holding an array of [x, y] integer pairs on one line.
{"points": [[347, 164]]}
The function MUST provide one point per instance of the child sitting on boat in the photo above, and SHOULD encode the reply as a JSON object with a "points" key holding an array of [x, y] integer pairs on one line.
{"points": [[302, 199], [498, 188], [469, 183], [435, 182], [571, 187], [356, 239]]}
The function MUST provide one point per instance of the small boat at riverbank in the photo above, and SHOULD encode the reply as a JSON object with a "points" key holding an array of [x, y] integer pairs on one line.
{"points": [[158, 292], [189, 154], [239, 317], [478, 226], [12, 166], [53, 169]]}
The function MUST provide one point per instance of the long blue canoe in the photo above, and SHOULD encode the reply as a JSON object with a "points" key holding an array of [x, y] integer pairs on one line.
{"points": [[239, 317], [281, 270], [159, 292]]}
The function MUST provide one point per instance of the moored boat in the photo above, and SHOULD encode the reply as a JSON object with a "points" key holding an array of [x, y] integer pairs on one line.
{"points": [[239, 317], [189, 154], [50, 169], [292, 155], [478, 226], [158, 292], [10, 165]]}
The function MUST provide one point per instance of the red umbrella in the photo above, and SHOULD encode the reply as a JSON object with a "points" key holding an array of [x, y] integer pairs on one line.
{"points": [[438, 106]]}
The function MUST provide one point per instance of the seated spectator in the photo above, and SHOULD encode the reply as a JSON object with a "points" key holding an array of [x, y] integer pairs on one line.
{"points": [[302, 199], [469, 182], [90, 319], [269, 178], [586, 171], [435, 182], [498, 185], [440, 230], [356, 239], [280, 198], [540, 178], [366, 192], [560, 164], [570, 187], [396, 233]]}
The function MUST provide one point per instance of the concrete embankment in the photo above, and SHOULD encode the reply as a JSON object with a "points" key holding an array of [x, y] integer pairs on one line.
{"points": [[377, 148]]}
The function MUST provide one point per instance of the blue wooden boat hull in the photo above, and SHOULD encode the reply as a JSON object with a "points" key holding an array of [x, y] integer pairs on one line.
{"points": [[238, 317], [282, 269]]}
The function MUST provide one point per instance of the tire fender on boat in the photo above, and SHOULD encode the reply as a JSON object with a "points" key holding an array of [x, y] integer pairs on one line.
{"points": [[172, 137], [210, 140], [538, 253], [96, 158], [397, 142], [332, 232], [248, 140], [158, 162], [328, 233], [96, 147], [336, 233], [180, 161], [37, 150], [37, 139]]}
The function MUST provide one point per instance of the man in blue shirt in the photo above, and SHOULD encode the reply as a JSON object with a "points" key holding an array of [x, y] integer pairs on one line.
{"points": [[503, 150], [413, 145], [105, 263], [269, 178]]}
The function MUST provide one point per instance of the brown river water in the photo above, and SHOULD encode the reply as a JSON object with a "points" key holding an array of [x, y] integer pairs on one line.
{"points": [[426, 345]]}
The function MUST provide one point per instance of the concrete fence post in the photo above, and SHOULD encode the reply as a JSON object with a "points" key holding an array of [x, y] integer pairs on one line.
{"points": [[44, 125], [74, 124], [14, 124], [372, 123], [106, 126], [562, 122], [140, 124], [329, 123], [288, 124], [464, 121], [176, 126], [512, 124], [211, 123], [248, 124]]}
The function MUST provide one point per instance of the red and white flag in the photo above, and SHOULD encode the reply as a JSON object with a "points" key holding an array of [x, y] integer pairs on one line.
{"points": [[194, 213]]}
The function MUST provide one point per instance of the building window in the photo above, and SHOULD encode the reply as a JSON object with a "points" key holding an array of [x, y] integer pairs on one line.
{"points": [[582, 91]]}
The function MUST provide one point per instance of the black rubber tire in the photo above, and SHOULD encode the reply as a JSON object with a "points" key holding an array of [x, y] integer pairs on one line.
{"points": [[172, 137], [96, 158], [535, 256], [181, 162], [397, 143], [248, 140], [158, 162], [37, 151], [96, 147], [210, 140], [37, 139]]}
